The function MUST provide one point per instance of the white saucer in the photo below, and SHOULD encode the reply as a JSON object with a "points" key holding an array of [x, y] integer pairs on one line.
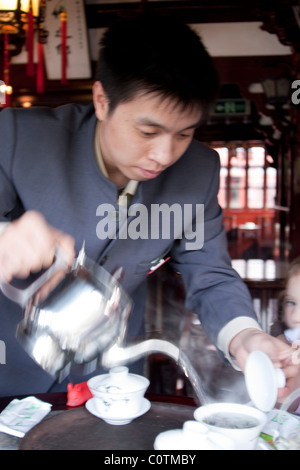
{"points": [[90, 406]]}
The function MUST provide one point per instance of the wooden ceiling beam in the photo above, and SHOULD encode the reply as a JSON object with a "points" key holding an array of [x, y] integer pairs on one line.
{"points": [[277, 16], [192, 12]]}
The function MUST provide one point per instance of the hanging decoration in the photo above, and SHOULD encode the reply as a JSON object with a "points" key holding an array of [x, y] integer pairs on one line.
{"points": [[18, 21], [30, 40], [63, 35], [10, 24], [42, 39], [67, 54], [31, 17], [10, 17], [55, 30], [6, 72]]}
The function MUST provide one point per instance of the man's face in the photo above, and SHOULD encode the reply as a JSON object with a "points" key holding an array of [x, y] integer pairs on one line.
{"points": [[142, 137]]}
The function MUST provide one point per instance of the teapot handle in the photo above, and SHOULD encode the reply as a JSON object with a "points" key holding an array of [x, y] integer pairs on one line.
{"points": [[22, 295]]}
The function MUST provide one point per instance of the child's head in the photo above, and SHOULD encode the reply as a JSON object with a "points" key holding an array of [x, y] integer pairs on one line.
{"points": [[156, 55], [291, 301]]}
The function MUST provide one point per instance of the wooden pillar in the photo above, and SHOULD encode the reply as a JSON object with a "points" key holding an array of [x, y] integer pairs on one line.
{"points": [[284, 197]]}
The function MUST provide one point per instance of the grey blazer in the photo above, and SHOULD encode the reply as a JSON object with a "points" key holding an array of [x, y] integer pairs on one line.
{"points": [[47, 163]]}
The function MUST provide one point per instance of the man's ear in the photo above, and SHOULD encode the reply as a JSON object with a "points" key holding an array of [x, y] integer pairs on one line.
{"points": [[100, 100]]}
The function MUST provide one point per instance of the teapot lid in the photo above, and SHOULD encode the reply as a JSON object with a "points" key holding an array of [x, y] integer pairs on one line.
{"points": [[263, 380], [119, 380]]}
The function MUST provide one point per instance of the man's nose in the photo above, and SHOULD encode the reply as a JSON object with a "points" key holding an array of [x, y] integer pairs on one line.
{"points": [[163, 152]]}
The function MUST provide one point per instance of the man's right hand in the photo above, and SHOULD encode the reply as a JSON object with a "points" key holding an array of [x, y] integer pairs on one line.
{"points": [[28, 245]]}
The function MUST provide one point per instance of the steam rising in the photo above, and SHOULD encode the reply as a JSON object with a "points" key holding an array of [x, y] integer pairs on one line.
{"points": [[167, 318]]}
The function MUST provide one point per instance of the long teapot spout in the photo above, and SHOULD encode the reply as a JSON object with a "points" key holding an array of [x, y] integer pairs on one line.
{"points": [[117, 355]]}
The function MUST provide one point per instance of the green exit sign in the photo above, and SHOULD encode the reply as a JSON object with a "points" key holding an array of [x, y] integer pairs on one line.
{"points": [[238, 107]]}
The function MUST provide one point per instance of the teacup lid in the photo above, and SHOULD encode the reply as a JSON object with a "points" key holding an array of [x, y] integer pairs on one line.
{"points": [[263, 380], [119, 380]]}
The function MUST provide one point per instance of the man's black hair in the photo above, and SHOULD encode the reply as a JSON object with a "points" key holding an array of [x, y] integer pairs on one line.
{"points": [[156, 54]]}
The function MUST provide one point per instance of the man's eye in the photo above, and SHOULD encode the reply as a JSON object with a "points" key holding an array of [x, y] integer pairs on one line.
{"points": [[147, 133], [184, 136]]}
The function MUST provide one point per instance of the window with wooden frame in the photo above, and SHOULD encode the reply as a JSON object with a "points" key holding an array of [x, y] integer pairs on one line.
{"points": [[247, 177]]}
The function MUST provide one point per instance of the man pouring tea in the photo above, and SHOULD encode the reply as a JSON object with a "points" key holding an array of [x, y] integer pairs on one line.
{"points": [[154, 85]]}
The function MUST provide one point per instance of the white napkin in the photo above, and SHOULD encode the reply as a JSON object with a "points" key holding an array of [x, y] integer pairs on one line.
{"points": [[281, 423], [21, 415]]}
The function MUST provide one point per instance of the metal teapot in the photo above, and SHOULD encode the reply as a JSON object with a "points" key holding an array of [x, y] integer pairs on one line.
{"points": [[82, 321]]}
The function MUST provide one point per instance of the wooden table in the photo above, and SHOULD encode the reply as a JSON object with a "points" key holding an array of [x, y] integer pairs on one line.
{"points": [[77, 429], [265, 280]]}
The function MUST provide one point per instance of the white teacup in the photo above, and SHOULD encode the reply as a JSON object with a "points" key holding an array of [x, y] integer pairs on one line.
{"points": [[241, 423], [118, 395], [193, 436]]}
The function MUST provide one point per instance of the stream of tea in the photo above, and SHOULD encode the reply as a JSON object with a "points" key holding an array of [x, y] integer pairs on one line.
{"points": [[191, 374]]}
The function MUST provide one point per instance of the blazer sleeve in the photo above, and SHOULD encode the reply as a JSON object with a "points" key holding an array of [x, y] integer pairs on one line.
{"points": [[8, 195], [214, 289]]}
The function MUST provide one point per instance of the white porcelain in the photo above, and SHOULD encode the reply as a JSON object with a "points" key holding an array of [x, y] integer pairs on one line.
{"points": [[263, 380], [245, 438], [92, 408], [118, 395], [193, 436]]}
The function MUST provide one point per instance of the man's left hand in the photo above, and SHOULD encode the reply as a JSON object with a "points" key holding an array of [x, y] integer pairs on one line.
{"points": [[282, 355]]}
